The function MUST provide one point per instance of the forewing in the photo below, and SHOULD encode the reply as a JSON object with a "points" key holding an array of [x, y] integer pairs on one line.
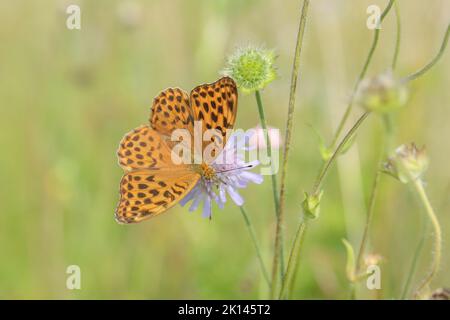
{"points": [[143, 148], [215, 105]]}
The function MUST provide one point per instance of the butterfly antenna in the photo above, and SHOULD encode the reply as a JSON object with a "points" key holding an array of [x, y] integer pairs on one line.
{"points": [[244, 167]]}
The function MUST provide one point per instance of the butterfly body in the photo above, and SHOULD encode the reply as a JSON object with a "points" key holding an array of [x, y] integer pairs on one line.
{"points": [[153, 182]]}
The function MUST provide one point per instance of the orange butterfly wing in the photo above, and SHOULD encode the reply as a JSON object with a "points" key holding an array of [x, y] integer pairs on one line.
{"points": [[215, 104], [171, 111], [146, 193], [153, 183]]}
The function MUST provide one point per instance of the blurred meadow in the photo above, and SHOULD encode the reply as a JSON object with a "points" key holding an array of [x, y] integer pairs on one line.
{"points": [[68, 96]]}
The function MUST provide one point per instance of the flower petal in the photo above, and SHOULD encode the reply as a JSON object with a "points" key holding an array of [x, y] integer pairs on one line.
{"points": [[206, 207], [235, 196], [189, 196], [252, 177], [196, 202], [222, 194]]}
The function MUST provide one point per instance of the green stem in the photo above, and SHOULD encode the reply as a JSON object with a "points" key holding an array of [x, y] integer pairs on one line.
{"points": [[326, 166], [388, 129], [373, 196], [432, 62], [398, 37], [287, 142], [294, 254], [415, 260], [294, 258], [360, 77], [268, 143], [251, 230], [418, 185], [262, 119]]}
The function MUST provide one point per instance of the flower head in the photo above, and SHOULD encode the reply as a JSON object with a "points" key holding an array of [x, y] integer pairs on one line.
{"points": [[408, 163], [440, 294], [225, 175], [129, 14], [258, 139], [251, 67], [372, 259], [382, 93]]}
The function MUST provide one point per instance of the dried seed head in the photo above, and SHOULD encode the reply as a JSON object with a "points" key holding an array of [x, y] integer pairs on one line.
{"points": [[372, 259], [408, 163], [382, 93], [441, 294]]}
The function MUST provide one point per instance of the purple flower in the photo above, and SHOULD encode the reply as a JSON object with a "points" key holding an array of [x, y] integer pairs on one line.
{"points": [[227, 173]]}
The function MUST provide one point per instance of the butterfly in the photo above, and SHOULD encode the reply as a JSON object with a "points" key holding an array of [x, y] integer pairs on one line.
{"points": [[152, 182]]}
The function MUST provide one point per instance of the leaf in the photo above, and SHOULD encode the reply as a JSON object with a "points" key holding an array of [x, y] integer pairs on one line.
{"points": [[325, 152], [350, 265]]}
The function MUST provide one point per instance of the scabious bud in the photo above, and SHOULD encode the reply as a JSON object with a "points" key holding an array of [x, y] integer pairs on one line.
{"points": [[372, 259], [311, 205], [408, 163], [382, 93], [251, 67]]}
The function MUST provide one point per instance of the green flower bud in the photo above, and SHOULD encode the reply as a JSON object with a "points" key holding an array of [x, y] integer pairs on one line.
{"points": [[382, 94], [350, 266], [408, 163], [311, 205], [251, 67]]}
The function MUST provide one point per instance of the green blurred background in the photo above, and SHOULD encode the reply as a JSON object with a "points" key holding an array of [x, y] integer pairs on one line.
{"points": [[68, 96]]}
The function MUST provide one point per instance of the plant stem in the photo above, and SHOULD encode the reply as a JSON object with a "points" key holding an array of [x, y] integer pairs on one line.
{"points": [[415, 260], [388, 130], [398, 38], [294, 258], [251, 230], [292, 265], [287, 142], [262, 120], [268, 143], [373, 196], [325, 167], [360, 77], [327, 164], [432, 62], [437, 235]]}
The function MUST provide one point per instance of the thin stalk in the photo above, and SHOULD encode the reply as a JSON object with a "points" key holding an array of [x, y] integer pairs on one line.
{"points": [[325, 167], [415, 260], [418, 185], [389, 131], [398, 37], [373, 196], [262, 120], [293, 259], [330, 161], [287, 142], [360, 77], [294, 254], [251, 230], [427, 67]]}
